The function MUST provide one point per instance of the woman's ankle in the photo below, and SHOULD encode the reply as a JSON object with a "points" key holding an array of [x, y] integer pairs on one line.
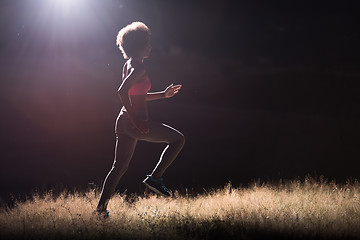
{"points": [[101, 209], [154, 176]]}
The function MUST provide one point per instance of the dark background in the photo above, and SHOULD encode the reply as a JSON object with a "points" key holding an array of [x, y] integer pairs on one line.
{"points": [[270, 91]]}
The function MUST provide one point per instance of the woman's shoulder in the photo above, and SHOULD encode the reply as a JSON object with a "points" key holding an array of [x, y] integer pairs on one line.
{"points": [[136, 64], [136, 67]]}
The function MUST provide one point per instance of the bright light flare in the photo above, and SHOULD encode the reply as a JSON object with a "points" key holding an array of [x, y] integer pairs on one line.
{"points": [[67, 5]]}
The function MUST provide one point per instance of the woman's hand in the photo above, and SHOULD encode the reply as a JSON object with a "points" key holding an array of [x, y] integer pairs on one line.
{"points": [[171, 90], [140, 125]]}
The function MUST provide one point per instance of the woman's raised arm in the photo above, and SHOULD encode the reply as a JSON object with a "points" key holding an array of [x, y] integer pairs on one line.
{"points": [[170, 91]]}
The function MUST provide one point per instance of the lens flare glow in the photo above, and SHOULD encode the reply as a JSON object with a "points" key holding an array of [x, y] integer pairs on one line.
{"points": [[68, 4]]}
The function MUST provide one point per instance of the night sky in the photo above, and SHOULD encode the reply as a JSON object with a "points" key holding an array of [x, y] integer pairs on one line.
{"points": [[270, 91]]}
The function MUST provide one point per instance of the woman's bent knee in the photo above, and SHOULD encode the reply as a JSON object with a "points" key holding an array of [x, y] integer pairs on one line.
{"points": [[181, 140]]}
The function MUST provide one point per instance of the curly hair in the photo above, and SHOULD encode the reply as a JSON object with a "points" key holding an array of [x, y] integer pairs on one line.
{"points": [[132, 39]]}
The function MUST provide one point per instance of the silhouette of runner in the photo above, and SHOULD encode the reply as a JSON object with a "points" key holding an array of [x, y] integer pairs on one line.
{"points": [[133, 123]]}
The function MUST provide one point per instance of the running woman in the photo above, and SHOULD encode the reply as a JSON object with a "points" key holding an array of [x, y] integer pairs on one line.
{"points": [[133, 123]]}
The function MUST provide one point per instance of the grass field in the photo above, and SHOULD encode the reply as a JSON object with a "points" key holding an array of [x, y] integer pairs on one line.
{"points": [[306, 209]]}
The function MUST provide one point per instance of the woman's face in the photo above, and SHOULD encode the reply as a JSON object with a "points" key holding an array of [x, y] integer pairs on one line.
{"points": [[147, 50]]}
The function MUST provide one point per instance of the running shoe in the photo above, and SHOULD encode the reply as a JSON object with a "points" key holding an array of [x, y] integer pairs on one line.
{"points": [[102, 214], [156, 185]]}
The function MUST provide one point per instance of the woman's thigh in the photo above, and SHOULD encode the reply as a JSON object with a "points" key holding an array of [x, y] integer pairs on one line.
{"points": [[158, 132]]}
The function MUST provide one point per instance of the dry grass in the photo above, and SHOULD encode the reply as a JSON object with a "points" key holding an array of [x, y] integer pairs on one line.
{"points": [[296, 210]]}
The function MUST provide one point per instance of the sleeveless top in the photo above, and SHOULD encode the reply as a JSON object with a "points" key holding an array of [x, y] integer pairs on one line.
{"points": [[140, 88]]}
